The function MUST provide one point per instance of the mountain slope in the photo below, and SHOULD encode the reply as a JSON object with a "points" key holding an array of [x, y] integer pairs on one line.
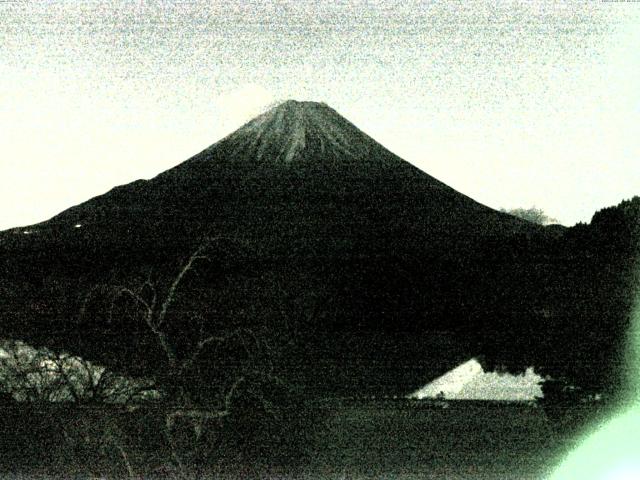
{"points": [[297, 152]]}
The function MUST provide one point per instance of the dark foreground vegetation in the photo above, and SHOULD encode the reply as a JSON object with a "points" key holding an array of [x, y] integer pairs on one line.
{"points": [[559, 300], [321, 439]]}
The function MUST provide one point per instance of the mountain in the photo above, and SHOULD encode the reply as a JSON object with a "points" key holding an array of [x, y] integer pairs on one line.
{"points": [[343, 259], [300, 159]]}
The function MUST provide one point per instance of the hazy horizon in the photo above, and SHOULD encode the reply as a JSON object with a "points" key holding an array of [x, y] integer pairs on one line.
{"points": [[512, 103]]}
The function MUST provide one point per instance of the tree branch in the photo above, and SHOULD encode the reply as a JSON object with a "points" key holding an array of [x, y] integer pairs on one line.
{"points": [[197, 255], [137, 298], [199, 347]]}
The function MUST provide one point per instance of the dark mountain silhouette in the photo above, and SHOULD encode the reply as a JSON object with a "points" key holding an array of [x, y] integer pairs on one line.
{"points": [[358, 271], [299, 163]]}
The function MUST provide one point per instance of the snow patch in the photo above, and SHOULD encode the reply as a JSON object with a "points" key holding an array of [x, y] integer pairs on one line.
{"points": [[469, 381], [289, 128]]}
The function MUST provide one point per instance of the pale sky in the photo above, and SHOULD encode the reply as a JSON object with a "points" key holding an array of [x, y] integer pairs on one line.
{"points": [[514, 103]]}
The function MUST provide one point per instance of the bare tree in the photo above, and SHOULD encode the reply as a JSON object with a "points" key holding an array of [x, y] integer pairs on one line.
{"points": [[155, 305]]}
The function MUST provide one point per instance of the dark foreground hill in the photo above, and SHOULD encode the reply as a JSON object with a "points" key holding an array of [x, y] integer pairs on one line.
{"points": [[363, 440], [346, 268]]}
